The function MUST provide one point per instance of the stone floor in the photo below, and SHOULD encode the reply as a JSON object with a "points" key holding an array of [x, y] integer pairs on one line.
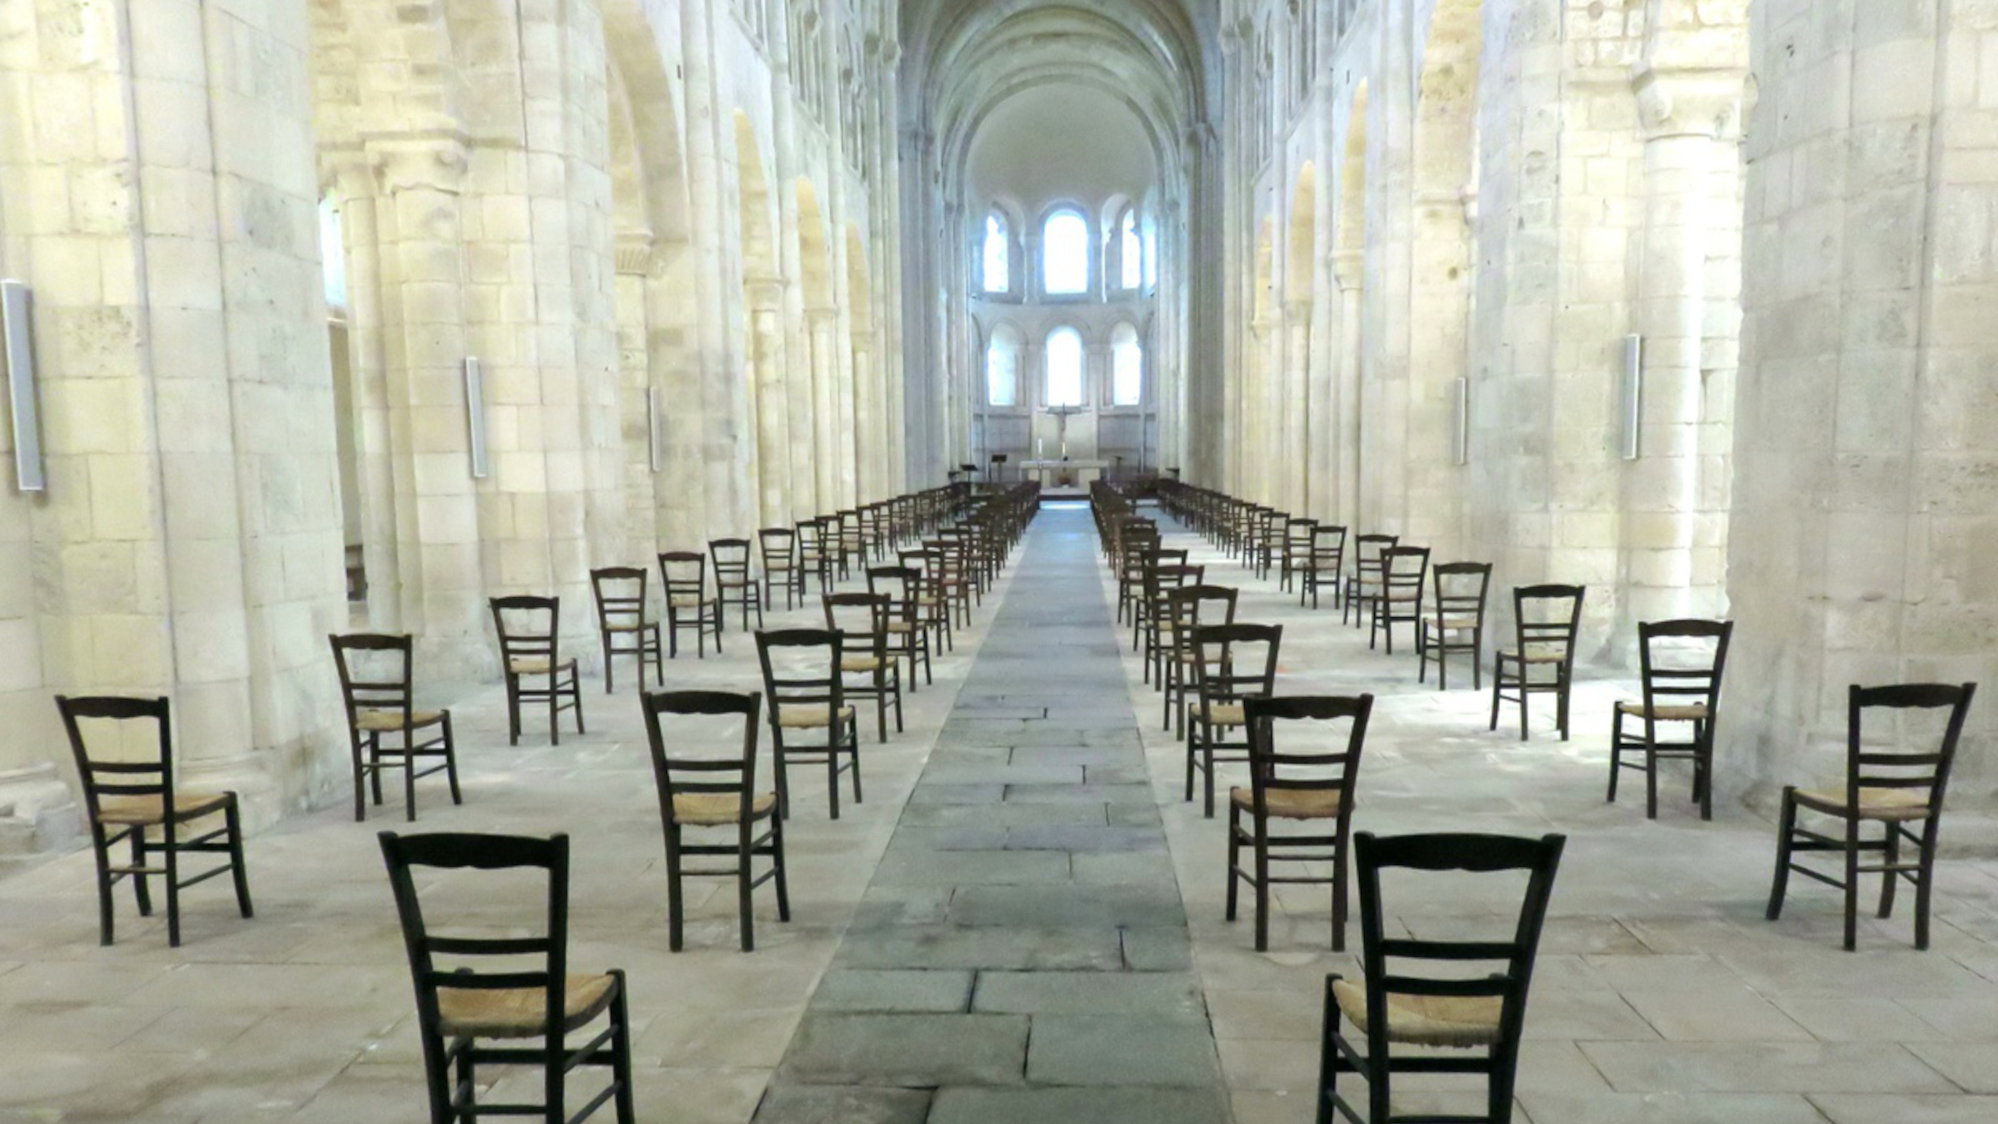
{"points": [[1005, 875]]}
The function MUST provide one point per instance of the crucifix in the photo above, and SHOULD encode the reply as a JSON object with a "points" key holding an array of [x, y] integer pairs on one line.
{"points": [[1061, 414]]}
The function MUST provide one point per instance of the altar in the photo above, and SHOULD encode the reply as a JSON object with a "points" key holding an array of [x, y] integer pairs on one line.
{"points": [[1080, 473]]}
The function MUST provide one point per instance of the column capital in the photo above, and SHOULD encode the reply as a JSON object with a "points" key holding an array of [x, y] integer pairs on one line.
{"points": [[1348, 266], [1688, 101], [405, 161], [350, 170], [634, 252]]}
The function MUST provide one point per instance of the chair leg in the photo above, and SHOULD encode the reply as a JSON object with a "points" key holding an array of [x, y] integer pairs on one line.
{"points": [[1498, 683], [451, 761], [1234, 858], [360, 779], [1328, 1058], [1339, 896], [853, 750], [512, 709], [1925, 869], [233, 819], [576, 694], [555, 1079], [626, 1109], [1616, 754], [100, 846], [777, 856], [610, 672], [171, 853], [554, 708], [409, 775], [1785, 826], [375, 766], [142, 890], [675, 918], [745, 914], [1851, 884], [1892, 858], [1650, 777], [1262, 886], [1505, 1069]]}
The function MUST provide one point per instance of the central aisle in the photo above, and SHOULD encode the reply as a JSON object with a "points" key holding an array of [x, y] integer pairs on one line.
{"points": [[1022, 949]]}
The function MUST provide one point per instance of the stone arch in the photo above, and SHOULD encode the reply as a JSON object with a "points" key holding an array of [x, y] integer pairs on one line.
{"points": [[1351, 235], [763, 293]]}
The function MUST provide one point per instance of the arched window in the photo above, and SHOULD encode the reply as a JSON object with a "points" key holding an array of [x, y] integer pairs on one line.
{"points": [[1002, 367], [1064, 359], [996, 272], [1127, 367], [1132, 250], [1065, 253]]}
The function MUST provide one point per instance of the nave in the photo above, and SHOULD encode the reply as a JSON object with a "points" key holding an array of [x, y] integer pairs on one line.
{"points": [[1661, 994]]}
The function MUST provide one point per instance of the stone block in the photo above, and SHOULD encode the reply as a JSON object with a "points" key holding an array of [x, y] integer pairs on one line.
{"points": [[918, 1051]]}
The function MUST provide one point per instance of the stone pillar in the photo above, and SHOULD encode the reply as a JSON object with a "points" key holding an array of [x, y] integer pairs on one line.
{"points": [[1297, 434], [380, 430], [773, 400], [1860, 548], [818, 366], [1347, 266], [634, 379]]}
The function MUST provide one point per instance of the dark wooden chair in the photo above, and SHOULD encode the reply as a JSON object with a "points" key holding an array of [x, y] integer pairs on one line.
{"points": [[624, 612], [1404, 574], [1680, 664], [862, 620], [1231, 662], [1546, 619], [1894, 788], [1457, 622], [1133, 539], [852, 528], [947, 573], [1160, 584], [908, 635], [734, 583], [529, 630], [1326, 564], [1444, 1008], [817, 549], [711, 790], [1300, 785], [1147, 599], [1297, 534], [133, 800], [487, 983], [806, 692], [779, 547], [688, 606], [377, 688], [1186, 609], [1364, 584]]}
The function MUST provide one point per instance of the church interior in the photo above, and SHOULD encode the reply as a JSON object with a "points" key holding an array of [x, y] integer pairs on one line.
{"points": [[971, 561]]}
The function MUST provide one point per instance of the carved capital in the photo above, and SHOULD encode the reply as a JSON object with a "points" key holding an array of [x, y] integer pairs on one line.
{"points": [[634, 251], [1349, 268], [1681, 102], [350, 171], [406, 162]]}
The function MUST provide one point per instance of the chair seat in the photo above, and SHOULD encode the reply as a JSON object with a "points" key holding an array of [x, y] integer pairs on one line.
{"points": [[859, 663], [710, 809], [1452, 622], [1891, 804], [809, 717], [1426, 1020], [635, 627], [1532, 657], [376, 721], [1290, 803], [1689, 713], [1400, 595], [533, 667], [901, 626], [1222, 714], [684, 601], [519, 1012], [140, 810]]}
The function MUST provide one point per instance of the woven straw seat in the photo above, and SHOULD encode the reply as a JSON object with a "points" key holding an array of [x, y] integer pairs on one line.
{"points": [[1290, 803], [388, 720], [1222, 714], [858, 663], [1426, 1020], [1892, 804], [530, 667], [810, 718], [684, 601], [1536, 656], [519, 1012], [901, 626], [1691, 712], [152, 809], [631, 627], [712, 809], [1456, 622]]}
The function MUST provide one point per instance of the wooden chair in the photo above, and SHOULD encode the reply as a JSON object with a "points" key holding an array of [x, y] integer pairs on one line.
{"points": [[1446, 1008], [908, 635], [779, 547], [734, 584], [1680, 663], [1546, 619], [852, 541], [688, 605], [1147, 598], [1157, 631], [376, 686], [624, 610], [1364, 584], [1296, 549], [133, 800], [714, 791], [1404, 572], [500, 985], [1301, 786], [1231, 662], [816, 550], [932, 608], [1459, 611], [802, 681], [1326, 564], [862, 621], [947, 574], [1894, 788], [529, 631], [1134, 539], [1186, 609]]}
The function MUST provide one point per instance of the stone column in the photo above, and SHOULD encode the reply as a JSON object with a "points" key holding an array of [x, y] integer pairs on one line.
{"points": [[820, 366], [381, 432], [1346, 266], [1296, 405], [634, 337], [773, 401]]}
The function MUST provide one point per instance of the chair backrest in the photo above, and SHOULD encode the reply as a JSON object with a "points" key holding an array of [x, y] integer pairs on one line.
{"points": [[1297, 534], [849, 525], [1235, 661], [811, 538], [1196, 604], [527, 625], [801, 669], [620, 593], [1884, 768], [1546, 618], [777, 544], [1328, 542], [455, 961], [1163, 579], [132, 774], [1512, 958], [901, 585], [731, 558], [1404, 569], [1305, 764], [912, 558], [376, 672], [1370, 553], [686, 574], [1681, 663], [676, 770], [862, 618], [1461, 588]]}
